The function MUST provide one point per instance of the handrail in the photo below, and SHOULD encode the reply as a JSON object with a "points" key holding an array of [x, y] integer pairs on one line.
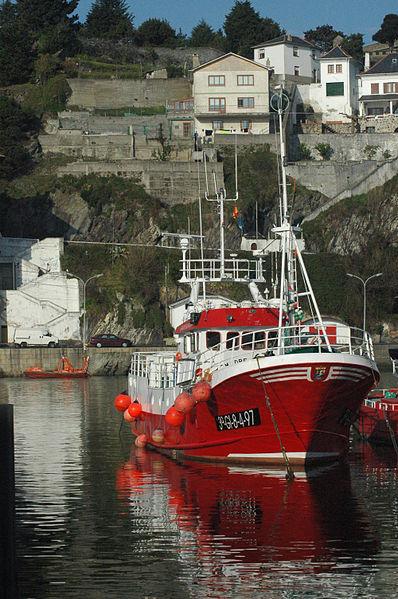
{"points": [[164, 370]]}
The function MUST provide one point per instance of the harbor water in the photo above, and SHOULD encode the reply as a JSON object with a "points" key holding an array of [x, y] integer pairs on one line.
{"points": [[97, 518]]}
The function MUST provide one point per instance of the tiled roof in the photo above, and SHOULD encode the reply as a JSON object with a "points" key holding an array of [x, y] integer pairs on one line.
{"points": [[388, 64], [336, 52], [286, 39]]}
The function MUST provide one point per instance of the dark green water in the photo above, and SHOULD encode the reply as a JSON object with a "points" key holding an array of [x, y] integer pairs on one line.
{"points": [[96, 519]]}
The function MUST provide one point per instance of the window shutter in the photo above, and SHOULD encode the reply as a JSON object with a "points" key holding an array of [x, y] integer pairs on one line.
{"points": [[335, 89]]}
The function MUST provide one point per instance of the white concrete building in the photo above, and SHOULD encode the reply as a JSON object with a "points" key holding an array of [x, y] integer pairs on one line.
{"points": [[231, 94], [335, 98], [291, 58], [34, 292], [379, 88]]}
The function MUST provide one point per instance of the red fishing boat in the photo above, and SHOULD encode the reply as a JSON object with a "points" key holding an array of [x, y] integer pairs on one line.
{"points": [[64, 370], [251, 383], [378, 417]]}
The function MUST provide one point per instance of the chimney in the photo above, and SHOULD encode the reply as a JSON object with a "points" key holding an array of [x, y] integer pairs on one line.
{"points": [[337, 41], [195, 61]]}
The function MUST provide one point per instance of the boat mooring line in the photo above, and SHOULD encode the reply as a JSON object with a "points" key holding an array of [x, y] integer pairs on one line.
{"points": [[289, 470]]}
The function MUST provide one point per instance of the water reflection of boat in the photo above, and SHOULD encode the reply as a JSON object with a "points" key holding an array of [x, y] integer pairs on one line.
{"points": [[64, 370], [237, 515]]}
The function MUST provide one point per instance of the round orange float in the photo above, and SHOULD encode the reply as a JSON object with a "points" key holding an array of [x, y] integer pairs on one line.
{"points": [[201, 391], [174, 417], [184, 402], [135, 409], [122, 402], [127, 416]]}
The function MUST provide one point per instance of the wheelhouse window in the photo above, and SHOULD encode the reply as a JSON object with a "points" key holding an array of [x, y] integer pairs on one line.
{"points": [[217, 104], [216, 80], [245, 102], [247, 341], [212, 339], [232, 340], [259, 340], [245, 79]]}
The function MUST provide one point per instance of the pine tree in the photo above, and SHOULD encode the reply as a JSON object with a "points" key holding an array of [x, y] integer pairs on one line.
{"points": [[388, 32], [109, 19], [244, 28], [202, 35], [16, 59], [156, 32], [50, 24]]}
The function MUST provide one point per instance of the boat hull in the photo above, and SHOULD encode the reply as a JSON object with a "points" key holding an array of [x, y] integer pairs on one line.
{"points": [[378, 423], [56, 375], [300, 411]]}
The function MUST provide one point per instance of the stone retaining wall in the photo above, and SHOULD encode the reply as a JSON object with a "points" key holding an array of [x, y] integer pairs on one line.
{"points": [[347, 147], [117, 93], [172, 182]]}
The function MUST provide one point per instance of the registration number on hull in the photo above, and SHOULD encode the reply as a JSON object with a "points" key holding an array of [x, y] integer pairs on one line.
{"points": [[235, 420]]}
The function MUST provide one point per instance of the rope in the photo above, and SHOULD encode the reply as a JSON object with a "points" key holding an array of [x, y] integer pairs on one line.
{"points": [[289, 469], [393, 439]]}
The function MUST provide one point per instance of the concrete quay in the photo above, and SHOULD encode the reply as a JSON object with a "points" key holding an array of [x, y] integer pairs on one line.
{"points": [[104, 361]]}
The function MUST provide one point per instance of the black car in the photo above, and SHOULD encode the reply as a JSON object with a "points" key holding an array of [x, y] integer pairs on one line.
{"points": [[108, 340]]}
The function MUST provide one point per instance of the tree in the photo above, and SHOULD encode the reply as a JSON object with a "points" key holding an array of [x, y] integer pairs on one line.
{"points": [[322, 36], [109, 19], [156, 32], [202, 35], [15, 125], [50, 23], [245, 28], [388, 32], [16, 60], [353, 45]]}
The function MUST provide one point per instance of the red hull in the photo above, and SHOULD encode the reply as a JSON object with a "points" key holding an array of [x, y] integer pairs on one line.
{"points": [[56, 375], [378, 419], [313, 417]]}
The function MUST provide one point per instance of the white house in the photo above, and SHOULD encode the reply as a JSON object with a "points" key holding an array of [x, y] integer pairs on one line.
{"points": [[290, 57], [379, 88], [231, 94], [34, 292], [336, 97]]}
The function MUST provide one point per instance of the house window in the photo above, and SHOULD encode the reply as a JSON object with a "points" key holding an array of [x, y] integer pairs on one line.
{"points": [[261, 54], [297, 71], [216, 80], [390, 88], [245, 126], [217, 104], [186, 129], [335, 89], [245, 79], [245, 102], [339, 68], [374, 88], [217, 125], [295, 51], [330, 68]]}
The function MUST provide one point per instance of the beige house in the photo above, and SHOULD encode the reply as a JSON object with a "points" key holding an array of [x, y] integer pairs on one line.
{"points": [[231, 94]]}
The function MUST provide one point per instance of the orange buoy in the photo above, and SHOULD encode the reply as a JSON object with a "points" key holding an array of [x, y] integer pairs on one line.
{"points": [[174, 417], [122, 402], [135, 409], [141, 441], [184, 402], [127, 416], [201, 391], [178, 356], [158, 436]]}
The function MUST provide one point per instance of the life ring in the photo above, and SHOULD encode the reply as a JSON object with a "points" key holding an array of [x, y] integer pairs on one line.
{"points": [[178, 356]]}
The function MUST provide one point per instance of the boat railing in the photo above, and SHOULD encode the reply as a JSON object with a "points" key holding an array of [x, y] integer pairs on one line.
{"points": [[162, 370], [295, 339], [214, 269]]}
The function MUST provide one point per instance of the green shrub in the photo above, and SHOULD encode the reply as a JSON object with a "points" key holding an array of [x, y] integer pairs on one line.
{"points": [[51, 96], [304, 152], [371, 151], [325, 150]]}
